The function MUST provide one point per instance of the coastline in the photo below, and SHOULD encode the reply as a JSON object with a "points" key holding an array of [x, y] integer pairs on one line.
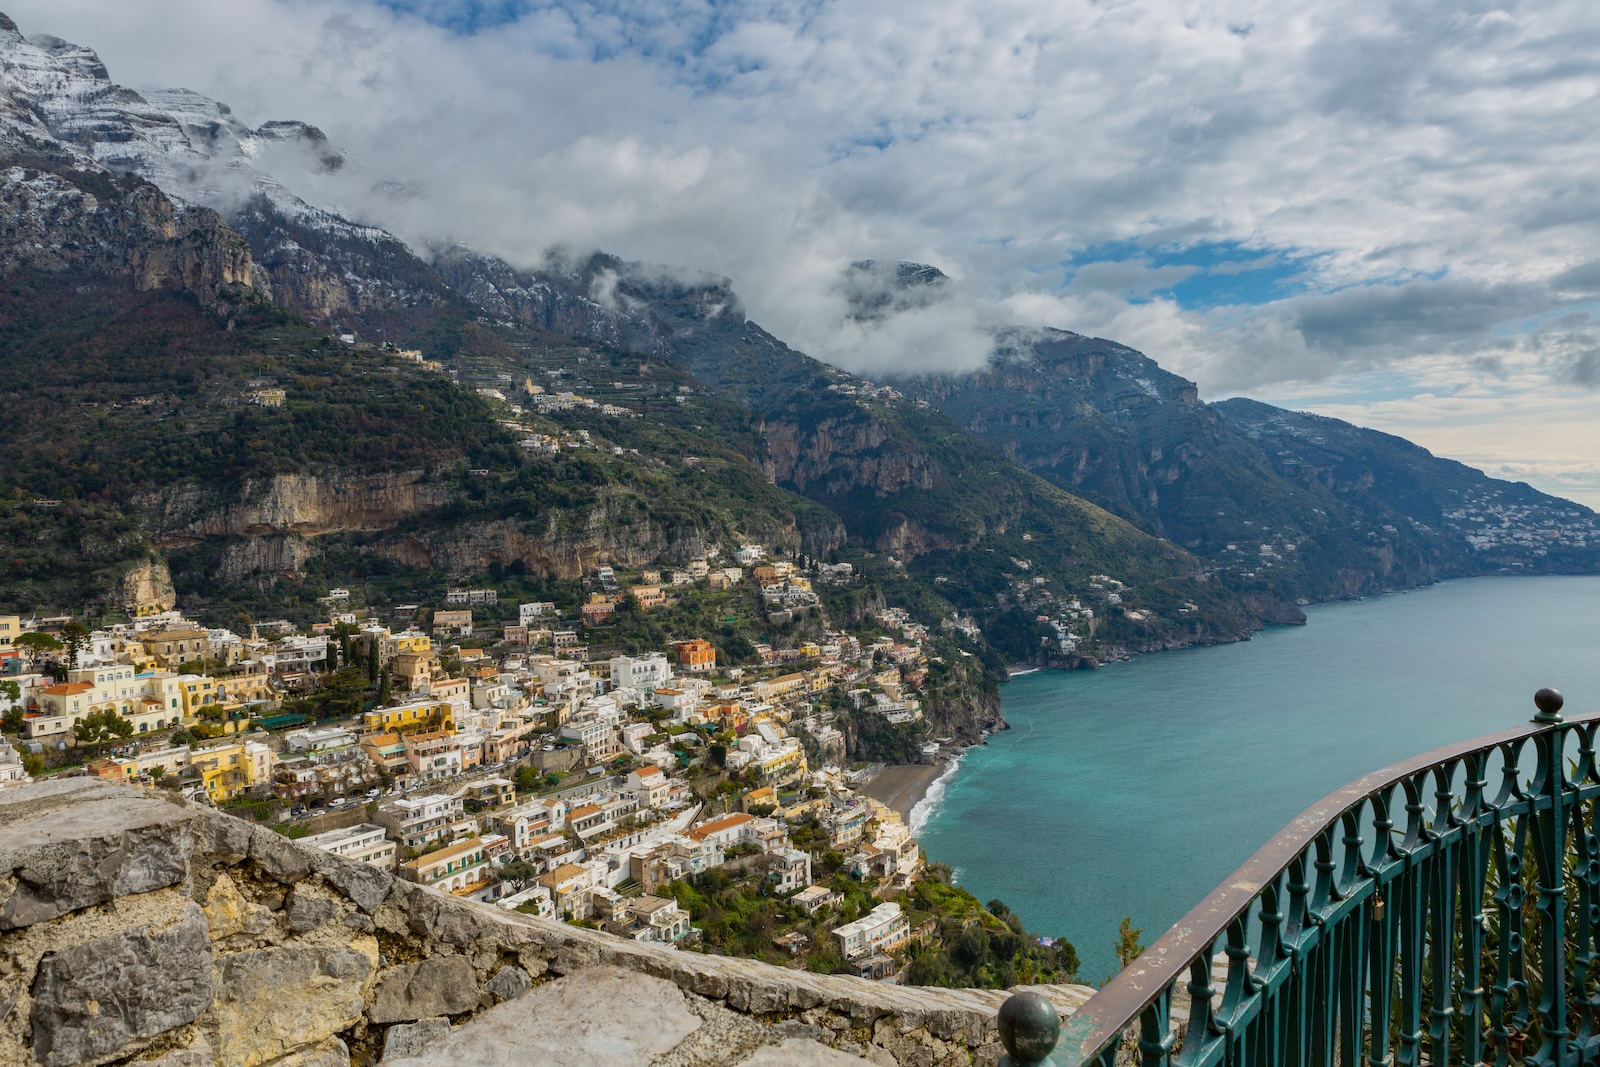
{"points": [[913, 790], [902, 787]]}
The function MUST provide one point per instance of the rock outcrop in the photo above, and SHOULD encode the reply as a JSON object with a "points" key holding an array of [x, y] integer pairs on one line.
{"points": [[149, 583], [311, 504], [55, 217], [136, 927]]}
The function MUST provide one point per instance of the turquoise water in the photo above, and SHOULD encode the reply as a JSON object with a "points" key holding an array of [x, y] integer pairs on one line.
{"points": [[1136, 788]]}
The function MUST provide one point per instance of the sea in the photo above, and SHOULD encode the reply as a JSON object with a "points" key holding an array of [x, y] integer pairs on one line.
{"points": [[1135, 789]]}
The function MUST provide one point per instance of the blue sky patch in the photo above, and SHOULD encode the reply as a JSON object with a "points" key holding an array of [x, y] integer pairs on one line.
{"points": [[463, 16], [1197, 277]]}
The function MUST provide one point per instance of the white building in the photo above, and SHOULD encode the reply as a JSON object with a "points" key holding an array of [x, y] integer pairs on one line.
{"points": [[366, 843], [884, 929], [789, 871], [649, 786], [532, 614], [644, 673], [318, 739], [11, 772], [416, 821], [528, 823]]}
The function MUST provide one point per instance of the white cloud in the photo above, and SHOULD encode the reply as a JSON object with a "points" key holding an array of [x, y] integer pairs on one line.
{"points": [[1431, 164]]}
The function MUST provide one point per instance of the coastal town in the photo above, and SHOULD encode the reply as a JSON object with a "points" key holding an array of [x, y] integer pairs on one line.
{"points": [[511, 755]]}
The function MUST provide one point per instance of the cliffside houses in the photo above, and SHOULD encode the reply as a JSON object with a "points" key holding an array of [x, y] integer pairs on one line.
{"points": [[604, 778]]}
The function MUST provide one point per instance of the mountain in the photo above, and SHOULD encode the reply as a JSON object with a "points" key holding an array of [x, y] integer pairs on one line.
{"points": [[1072, 499], [1486, 524], [1273, 501]]}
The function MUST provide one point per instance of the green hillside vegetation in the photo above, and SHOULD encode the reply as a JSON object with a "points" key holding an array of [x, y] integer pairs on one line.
{"points": [[116, 398], [961, 944]]}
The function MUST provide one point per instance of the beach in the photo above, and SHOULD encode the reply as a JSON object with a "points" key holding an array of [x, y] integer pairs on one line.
{"points": [[901, 787]]}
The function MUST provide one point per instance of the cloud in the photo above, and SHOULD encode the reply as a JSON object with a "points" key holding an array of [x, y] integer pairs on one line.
{"points": [[1428, 166]]}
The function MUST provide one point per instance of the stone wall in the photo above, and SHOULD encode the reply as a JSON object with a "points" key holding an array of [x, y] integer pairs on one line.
{"points": [[137, 928]]}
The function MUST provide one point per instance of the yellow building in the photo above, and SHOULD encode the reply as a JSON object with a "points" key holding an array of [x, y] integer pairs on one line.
{"points": [[243, 685], [412, 670], [431, 715], [151, 701], [10, 630], [174, 648], [412, 641], [198, 691], [228, 771]]}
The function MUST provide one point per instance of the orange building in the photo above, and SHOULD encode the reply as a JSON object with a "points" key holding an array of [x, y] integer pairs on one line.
{"points": [[697, 656]]}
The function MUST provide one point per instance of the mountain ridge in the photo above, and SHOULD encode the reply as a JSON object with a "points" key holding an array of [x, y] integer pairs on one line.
{"points": [[1068, 454]]}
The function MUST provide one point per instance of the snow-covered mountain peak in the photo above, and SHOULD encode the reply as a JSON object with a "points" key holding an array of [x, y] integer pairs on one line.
{"points": [[82, 61]]}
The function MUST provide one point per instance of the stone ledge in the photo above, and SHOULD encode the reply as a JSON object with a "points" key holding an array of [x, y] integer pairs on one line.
{"points": [[315, 959]]}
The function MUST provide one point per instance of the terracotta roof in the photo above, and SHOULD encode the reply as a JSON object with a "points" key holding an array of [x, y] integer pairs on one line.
{"points": [[67, 689], [449, 852], [727, 822], [563, 873]]}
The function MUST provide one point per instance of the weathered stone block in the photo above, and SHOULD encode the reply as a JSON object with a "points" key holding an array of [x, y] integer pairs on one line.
{"points": [[89, 852], [226, 839], [229, 912], [410, 1039], [441, 986], [307, 912], [365, 885], [508, 983], [603, 1015], [93, 999], [278, 857], [272, 1002]]}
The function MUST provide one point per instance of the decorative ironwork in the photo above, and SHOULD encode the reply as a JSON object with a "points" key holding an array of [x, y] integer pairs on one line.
{"points": [[1419, 915]]}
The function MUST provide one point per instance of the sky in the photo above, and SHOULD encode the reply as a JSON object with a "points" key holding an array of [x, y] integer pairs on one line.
{"points": [[1387, 212]]}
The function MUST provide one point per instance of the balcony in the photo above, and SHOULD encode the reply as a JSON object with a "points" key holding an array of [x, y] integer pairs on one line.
{"points": [[1442, 910]]}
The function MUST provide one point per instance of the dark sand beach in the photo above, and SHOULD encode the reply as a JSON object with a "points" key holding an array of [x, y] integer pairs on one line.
{"points": [[901, 787]]}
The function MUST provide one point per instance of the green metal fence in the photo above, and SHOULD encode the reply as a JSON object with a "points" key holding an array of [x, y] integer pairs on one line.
{"points": [[1443, 910]]}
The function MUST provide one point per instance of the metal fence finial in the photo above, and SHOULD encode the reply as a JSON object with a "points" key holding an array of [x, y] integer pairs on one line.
{"points": [[1029, 1029], [1549, 702]]}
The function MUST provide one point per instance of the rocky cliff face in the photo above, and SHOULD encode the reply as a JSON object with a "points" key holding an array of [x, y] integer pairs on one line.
{"points": [[57, 218], [339, 273], [149, 583], [58, 97], [618, 532], [1101, 419], [308, 505], [556, 301]]}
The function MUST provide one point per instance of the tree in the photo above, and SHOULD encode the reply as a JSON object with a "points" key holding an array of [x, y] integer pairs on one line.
{"points": [[341, 692], [10, 693], [1128, 946], [35, 643], [156, 773], [76, 637], [518, 873], [98, 727]]}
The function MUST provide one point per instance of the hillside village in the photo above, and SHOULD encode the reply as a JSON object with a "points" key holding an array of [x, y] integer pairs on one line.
{"points": [[657, 794]]}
